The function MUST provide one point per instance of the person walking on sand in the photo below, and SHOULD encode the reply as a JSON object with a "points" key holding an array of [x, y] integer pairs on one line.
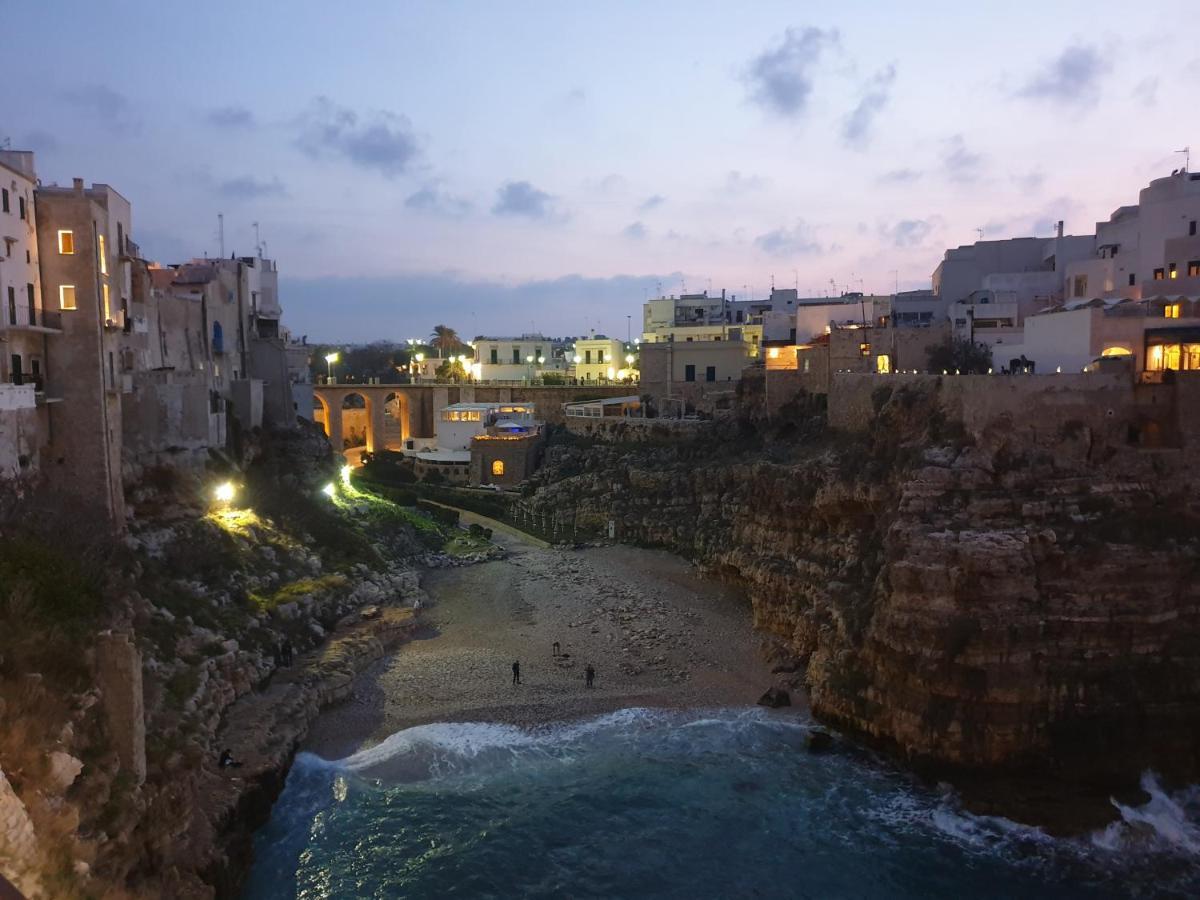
{"points": [[590, 675], [516, 672]]}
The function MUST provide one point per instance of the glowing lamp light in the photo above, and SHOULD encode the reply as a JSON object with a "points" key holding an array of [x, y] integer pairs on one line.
{"points": [[331, 358], [420, 357], [529, 359], [541, 360], [611, 373], [329, 490], [629, 358], [225, 492], [578, 359]]}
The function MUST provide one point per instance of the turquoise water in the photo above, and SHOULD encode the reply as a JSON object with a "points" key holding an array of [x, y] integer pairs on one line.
{"points": [[641, 803]]}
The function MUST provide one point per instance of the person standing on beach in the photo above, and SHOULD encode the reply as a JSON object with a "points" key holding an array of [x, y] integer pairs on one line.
{"points": [[590, 674], [516, 672]]}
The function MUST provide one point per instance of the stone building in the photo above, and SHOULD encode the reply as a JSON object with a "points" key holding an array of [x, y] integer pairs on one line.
{"points": [[503, 457]]}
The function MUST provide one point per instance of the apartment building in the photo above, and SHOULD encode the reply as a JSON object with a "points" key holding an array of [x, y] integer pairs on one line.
{"points": [[112, 364], [522, 358], [599, 358]]}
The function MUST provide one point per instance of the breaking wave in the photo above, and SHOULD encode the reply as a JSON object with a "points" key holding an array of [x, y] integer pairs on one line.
{"points": [[702, 803]]}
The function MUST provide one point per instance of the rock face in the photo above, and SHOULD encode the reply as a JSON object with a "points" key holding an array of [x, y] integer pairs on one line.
{"points": [[973, 600], [18, 843]]}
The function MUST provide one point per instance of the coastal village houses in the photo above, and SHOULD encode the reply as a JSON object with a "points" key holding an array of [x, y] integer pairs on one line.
{"points": [[114, 364]]}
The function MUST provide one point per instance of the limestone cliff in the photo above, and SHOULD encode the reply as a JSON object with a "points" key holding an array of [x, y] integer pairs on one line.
{"points": [[969, 599]]}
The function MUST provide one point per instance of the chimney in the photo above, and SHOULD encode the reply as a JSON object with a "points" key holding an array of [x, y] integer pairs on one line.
{"points": [[78, 183], [1060, 227]]}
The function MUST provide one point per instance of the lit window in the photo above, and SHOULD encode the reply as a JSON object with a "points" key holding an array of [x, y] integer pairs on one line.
{"points": [[66, 296], [1194, 268], [864, 349], [773, 353], [103, 261], [497, 467], [1171, 311], [1171, 271], [1158, 275], [1154, 361], [883, 364], [66, 242], [107, 306]]}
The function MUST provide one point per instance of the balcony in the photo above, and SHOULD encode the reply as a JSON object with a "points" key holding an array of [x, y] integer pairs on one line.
{"points": [[130, 250], [30, 318]]}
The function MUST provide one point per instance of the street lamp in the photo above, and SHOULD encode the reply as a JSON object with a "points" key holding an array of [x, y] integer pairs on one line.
{"points": [[330, 359]]}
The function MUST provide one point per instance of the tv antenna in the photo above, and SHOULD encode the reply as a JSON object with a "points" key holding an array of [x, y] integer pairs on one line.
{"points": [[257, 241], [1187, 157], [979, 231]]}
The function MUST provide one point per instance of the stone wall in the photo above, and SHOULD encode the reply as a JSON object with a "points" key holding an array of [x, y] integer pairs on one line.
{"points": [[621, 428]]}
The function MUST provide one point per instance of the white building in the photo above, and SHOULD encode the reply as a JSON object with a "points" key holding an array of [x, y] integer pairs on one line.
{"points": [[458, 423], [522, 358], [1150, 249], [599, 358]]}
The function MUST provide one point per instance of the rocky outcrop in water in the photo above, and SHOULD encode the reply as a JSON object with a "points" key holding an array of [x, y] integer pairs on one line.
{"points": [[977, 600]]}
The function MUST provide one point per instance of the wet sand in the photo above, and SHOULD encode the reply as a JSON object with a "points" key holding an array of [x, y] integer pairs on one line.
{"points": [[655, 631]]}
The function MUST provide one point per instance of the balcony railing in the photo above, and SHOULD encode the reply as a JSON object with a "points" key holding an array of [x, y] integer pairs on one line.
{"points": [[37, 379], [25, 316]]}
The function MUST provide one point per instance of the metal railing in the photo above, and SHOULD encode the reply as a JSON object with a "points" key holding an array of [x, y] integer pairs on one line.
{"points": [[37, 379], [25, 316]]}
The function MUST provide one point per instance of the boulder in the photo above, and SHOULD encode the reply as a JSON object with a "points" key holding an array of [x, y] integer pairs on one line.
{"points": [[774, 698], [64, 769]]}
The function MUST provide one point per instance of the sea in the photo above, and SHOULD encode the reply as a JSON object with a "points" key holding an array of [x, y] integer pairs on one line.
{"points": [[722, 803]]}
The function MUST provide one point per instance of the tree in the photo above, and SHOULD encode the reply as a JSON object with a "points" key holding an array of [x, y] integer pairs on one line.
{"points": [[451, 370], [955, 355], [445, 339]]}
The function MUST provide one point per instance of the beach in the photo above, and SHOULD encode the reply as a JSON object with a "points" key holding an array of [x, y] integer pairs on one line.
{"points": [[656, 632]]}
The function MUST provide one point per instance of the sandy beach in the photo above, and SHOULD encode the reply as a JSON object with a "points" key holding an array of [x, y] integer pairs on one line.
{"points": [[655, 631]]}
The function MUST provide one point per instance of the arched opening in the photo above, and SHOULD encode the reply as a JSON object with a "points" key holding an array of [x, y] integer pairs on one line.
{"points": [[498, 467], [321, 412], [395, 421], [357, 434]]}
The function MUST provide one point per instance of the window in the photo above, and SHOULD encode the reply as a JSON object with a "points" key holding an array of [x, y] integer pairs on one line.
{"points": [[1191, 225], [107, 304], [29, 294], [1132, 279], [12, 305], [600, 357], [587, 357], [103, 257], [21, 206], [710, 373], [1159, 275], [864, 350], [495, 356], [66, 242], [689, 373], [1171, 311], [497, 467], [516, 356], [1171, 271], [1194, 268], [66, 296], [883, 364], [1080, 288], [4, 202]]}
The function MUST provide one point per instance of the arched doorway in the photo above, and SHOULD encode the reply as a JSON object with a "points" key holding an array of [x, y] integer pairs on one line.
{"points": [[395, 421], [358, 429]]}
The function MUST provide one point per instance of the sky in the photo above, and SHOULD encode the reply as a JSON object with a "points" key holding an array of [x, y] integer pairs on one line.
{"points": [[547, 166]]}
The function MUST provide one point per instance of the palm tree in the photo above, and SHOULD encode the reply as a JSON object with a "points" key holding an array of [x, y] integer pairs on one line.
{"points": [[445, 339]]}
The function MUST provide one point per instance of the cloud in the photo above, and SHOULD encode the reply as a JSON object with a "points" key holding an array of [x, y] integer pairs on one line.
{"points": [[430, 198], [796, 241], [520, 198], [960, 163], [40, 141], [781, 79], [899, 176], [856, 130], [907, 233], [636, 231], [112, 109], [1145, 92], [1030, 182], [247, 187], [1071, 79], [736, 183], [381, 140], [373, 305], [650, 203], [230, 117]]}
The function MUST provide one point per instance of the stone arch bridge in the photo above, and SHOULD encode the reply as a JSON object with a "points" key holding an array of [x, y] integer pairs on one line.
{"points": [[397, 412]]}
